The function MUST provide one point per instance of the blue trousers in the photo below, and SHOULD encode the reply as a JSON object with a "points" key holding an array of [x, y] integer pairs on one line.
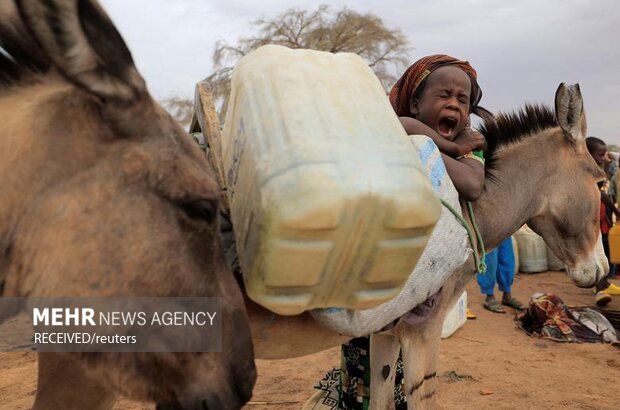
{"points": [[500, 269]]}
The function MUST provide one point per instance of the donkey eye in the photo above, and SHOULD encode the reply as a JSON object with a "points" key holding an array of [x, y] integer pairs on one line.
{"points": [[200, 209]]}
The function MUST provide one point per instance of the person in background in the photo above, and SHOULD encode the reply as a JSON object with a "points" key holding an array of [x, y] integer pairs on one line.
{"points": [[612, 165], [610, 186], [501, 271], [612, 176], [604, 289], [616, 181], [613, 190]]}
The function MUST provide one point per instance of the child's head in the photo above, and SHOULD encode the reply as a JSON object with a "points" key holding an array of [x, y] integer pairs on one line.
{"points": [[598, 149], [439, 91]]}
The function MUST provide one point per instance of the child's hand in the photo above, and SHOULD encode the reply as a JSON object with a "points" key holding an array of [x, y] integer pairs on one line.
{"points": [[469, 140]]}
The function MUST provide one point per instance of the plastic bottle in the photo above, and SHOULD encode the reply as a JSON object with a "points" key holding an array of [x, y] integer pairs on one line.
{"points": [[327, 196], [614, 245]]}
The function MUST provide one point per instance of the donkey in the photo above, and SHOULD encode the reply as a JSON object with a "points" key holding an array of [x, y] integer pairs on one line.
{"points": [[103, 194], [539, 172]]}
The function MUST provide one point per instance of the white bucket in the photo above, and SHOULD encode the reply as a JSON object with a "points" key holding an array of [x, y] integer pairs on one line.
{"points": [[515, 252], [532, 251], [553, 262], [456, 317]]}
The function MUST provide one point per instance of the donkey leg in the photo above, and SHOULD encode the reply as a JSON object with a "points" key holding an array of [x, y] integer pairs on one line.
{"points": [[64, 384], [418, 350], [420, 345], [384, 349]]}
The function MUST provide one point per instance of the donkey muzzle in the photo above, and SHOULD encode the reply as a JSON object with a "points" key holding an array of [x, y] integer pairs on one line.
{"points": [[588, 277], [230, 391]]}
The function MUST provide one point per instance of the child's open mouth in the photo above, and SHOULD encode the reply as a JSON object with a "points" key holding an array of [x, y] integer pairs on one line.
{"points": [[447, 126]]}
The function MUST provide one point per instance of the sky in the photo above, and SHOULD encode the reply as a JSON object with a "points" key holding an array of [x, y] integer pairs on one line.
{"points": [[522, 49]]}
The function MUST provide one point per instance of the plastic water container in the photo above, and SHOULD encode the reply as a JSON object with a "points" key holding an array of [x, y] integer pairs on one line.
{"points": [[329, 202], [515, 252], [553, 262], [614, 244], [532, 251], [456, 317]]}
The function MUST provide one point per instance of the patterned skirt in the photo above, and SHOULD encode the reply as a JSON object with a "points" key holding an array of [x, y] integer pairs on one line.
{"points": [[349, 387]]}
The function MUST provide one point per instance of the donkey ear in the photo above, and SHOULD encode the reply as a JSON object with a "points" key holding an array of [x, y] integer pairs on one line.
{"points": [[84, 46], [569, 112]]}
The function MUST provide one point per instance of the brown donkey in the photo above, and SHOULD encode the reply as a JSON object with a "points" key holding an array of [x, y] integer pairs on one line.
{"points": [[104, 195]]}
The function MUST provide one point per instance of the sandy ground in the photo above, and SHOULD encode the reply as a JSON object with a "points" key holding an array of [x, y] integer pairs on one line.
{"points": [[513, 370]]}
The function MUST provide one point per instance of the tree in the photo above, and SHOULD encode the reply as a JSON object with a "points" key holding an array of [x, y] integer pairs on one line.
{"points": [[180, 108], [385, 50]]}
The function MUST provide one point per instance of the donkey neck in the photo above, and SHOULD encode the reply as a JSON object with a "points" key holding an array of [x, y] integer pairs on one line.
{"points": [[513, 196]]}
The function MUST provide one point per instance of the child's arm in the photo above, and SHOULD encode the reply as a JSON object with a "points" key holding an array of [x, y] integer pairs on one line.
{"points": [[466, 143], [467, 176], [415, 127]]}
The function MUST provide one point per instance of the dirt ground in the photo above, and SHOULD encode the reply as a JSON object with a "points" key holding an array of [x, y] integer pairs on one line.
{"points": [[508, 369]]}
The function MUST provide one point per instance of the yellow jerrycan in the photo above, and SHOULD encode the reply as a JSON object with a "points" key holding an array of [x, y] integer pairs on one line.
{"points": [[328, 199], [614, 245]]}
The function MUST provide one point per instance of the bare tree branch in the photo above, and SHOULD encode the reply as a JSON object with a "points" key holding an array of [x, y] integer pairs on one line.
{"points": [[385, 50], [180, 108]]}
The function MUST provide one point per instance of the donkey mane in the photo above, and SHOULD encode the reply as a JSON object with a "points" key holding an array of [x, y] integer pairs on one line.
{"points": [[512, 128], [21, 57]]}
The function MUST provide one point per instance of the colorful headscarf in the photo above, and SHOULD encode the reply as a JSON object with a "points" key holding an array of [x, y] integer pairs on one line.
{"points": [[411, 81]]}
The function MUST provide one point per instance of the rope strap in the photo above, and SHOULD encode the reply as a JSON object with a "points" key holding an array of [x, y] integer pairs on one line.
{"points": [[478, 250]]}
